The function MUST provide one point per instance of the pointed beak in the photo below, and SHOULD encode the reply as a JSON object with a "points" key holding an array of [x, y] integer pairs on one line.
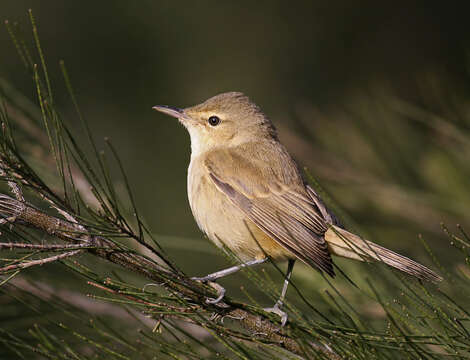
{"points": [[172, 111]]}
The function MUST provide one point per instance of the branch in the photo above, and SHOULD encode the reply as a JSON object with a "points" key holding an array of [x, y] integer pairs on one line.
{"points": [[43, 247], [15, 189], [249, 318], [43, 261]]}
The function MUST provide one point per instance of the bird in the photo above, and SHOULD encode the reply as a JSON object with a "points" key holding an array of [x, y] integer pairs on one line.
{"points": [[248, 195]]}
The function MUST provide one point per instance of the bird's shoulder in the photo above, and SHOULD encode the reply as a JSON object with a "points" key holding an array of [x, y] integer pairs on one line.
{"points": [[255, 169]]}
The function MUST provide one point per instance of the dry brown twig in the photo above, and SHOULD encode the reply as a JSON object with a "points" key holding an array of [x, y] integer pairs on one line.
{"points": [[24, 265], [14, 187], [45, 247]]}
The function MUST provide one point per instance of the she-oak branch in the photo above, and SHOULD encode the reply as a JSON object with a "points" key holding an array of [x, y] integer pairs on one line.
{"points": [[22, 213]]}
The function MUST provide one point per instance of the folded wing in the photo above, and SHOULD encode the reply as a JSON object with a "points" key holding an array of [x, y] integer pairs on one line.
{"points": [[275, 199]]}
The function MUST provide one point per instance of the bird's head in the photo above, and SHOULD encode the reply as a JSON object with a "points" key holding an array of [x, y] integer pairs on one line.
{"points": [[227, 119]]}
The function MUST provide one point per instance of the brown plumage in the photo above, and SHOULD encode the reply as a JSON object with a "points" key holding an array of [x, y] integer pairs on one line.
{"points": [[247, 193], [280, 206]]}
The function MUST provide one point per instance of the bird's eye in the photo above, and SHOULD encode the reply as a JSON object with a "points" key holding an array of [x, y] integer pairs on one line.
{"points": [[214, 120]]}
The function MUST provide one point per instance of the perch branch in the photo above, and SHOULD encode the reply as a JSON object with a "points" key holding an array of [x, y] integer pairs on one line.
{"points": [[23, 213]]}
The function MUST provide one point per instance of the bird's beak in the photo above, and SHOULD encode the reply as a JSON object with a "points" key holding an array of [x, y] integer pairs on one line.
{"points": [[172, 111]]}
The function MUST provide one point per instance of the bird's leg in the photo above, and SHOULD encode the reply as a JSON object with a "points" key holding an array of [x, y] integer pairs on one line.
{"points": [[229, 271], [277, 308], [219, 274]]}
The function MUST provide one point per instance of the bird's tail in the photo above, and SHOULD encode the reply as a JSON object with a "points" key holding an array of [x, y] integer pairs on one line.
{"points": [[343, 243]]}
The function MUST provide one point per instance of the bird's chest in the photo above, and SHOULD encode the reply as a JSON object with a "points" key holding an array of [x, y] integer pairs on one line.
{"points": [[215, 214], [211, 208], [223, 222]]}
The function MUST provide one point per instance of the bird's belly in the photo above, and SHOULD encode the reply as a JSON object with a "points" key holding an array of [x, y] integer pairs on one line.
{"points": [[226, 225]]}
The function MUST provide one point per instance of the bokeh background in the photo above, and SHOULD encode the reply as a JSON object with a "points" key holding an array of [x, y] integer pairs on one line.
{"points": [[371, 96]]}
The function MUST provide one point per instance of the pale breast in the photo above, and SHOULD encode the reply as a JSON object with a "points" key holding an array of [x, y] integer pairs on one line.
{"points": [[223, 222]]}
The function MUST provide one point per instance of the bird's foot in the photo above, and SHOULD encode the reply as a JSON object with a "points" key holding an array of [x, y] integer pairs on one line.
{"points": [[276, 309], [220, 289]]}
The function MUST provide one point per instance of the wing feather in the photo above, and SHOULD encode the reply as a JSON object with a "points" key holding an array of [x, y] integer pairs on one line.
{"points": [[283, 209]]}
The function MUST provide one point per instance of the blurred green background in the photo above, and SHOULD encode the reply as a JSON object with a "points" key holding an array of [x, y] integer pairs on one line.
{"points": [[371, 96]]}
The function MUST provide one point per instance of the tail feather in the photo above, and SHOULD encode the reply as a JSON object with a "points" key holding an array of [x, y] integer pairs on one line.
{"points": [[343, 243]]}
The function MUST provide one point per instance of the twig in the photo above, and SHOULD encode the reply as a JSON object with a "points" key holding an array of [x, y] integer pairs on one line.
{"points": [[39, 261], [12, 246], [65, 214], [15, 189], [178, 309]]}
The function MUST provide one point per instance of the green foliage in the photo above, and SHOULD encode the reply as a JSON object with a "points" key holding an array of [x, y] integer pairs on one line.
{"points": [[118, 311]]}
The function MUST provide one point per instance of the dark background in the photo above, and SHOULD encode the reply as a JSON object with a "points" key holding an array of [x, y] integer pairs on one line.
{"points": [[354, 87]]}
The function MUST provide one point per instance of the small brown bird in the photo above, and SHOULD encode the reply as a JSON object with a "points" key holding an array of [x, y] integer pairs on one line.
{"points": [[247, 194]]}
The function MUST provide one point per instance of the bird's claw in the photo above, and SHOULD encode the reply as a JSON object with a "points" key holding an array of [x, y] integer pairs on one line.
{"points": [[220, 293], [276, 309], [220, 289]]}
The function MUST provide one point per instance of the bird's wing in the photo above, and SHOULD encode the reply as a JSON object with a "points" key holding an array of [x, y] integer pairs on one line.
{"points": [[329, 217], [272, 195]]}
